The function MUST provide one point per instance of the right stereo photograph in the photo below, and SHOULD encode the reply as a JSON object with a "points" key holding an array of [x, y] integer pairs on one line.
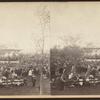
{"points": [[75, 48]]}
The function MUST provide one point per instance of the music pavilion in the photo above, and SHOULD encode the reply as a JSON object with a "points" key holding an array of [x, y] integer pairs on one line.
{"points": [[9, 57], [92, 54]]}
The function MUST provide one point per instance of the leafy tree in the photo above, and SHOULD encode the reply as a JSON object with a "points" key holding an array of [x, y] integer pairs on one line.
{"points": [[71, 57]]}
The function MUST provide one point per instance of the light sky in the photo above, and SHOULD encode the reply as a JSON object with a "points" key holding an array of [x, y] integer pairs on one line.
{"points": [[77, 19], [20, 24]]}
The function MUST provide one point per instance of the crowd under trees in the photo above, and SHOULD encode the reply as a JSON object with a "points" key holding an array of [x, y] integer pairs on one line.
{"points": [[73, 58]]}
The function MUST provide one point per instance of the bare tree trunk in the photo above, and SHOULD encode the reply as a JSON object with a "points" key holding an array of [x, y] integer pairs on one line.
{"points": [[44, 20], [42, 61]]}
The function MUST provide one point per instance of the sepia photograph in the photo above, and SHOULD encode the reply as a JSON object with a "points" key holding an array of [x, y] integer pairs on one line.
{"points": [[49, 49], [75, 50], [24, 50]]}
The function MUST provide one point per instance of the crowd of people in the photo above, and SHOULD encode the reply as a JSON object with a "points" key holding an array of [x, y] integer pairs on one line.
{"points": [[83, 75], [18, 76], [27, 74]]}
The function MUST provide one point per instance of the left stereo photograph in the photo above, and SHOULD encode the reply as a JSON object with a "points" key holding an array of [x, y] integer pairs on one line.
{"points": [[24, 49]]}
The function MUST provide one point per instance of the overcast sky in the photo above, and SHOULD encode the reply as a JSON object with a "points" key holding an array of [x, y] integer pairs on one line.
{"points": [[20, 24], [77, 19]]}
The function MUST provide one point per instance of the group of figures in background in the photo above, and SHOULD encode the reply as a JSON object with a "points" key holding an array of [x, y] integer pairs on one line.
{"points": [[76, 77], [18, 76], [66, 68], [25, 70], [72, 69]]}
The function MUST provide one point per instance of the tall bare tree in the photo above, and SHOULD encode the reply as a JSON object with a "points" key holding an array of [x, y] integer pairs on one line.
{"points": [[44, 18]]}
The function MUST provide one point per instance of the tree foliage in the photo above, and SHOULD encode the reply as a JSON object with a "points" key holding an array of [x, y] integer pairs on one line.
{"points": [[67, 57]]}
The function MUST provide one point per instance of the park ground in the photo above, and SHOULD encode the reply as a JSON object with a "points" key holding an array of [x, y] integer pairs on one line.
{"points": [[95, 90], [21, 90], [46, 87], [27, 90]]}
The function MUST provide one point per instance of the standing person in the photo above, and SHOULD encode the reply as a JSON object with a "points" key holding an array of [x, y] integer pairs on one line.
{"points": [[6, 73], [14, 75], [31, 76], [59, 80], [30, 72]]}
